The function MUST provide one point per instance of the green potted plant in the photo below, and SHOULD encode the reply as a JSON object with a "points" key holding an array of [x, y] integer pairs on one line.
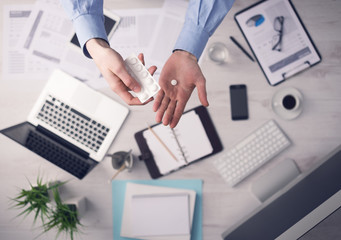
{"points": [[36, 199], [64, 217]]}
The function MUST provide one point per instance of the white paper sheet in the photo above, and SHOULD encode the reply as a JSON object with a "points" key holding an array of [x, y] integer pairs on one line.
{"points": [[18, 64], [136, 189], [135, 30], [168, 29], [160, 214]]}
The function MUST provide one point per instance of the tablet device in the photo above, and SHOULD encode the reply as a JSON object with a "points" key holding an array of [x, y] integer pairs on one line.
{"points": [[278, 39]]}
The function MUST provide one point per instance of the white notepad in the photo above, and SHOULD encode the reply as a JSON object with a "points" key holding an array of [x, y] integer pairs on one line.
{"points": [[188, 141], [160, 214], [142, 189]]}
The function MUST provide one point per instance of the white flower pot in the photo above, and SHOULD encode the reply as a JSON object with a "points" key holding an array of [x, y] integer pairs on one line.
{"points": [[80, 203]]}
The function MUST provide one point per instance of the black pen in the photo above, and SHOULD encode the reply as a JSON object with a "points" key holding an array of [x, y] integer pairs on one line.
{"points": [[241, 48]]}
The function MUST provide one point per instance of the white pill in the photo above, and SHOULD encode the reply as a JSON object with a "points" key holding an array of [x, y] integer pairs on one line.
{"points": [[132, 61], [144, 74], [154, 87], [149, 81], [138, 67], [174, 82]]}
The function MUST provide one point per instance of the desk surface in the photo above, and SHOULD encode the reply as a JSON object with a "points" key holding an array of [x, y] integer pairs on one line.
{"points": [[315, 133]]}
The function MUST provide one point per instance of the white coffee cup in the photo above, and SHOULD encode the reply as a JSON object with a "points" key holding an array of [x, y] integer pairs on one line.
{"points": [[287, 103]]}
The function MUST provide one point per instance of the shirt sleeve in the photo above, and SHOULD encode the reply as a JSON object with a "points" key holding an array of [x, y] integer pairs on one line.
{"points": [[88, 20], [202, 19]]}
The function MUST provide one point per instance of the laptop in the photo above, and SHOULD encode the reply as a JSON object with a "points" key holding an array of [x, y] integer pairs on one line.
{"points": [[70, 125]]}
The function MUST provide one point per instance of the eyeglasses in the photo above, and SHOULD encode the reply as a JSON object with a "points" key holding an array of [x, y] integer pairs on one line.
{"points": [[277, 39]]}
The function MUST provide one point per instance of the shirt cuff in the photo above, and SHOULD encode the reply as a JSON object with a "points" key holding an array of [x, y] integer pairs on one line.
{"points": [[192, 39], [87, 27]]}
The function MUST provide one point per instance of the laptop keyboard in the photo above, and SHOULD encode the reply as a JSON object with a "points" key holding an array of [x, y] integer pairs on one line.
{"points": [[59, 155], [73, 123]]}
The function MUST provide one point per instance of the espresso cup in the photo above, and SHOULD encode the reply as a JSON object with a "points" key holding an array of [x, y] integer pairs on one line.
{"points": [[290, 102], [287, 103]]}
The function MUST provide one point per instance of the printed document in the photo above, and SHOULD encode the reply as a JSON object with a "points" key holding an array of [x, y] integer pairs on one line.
{"points": [[18, 64]]}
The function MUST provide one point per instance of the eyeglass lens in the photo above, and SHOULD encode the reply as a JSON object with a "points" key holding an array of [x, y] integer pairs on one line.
{"points": [[277, 39]]}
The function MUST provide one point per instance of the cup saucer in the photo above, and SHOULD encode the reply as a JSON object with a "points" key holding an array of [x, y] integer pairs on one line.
{"points": [[278, 107]]}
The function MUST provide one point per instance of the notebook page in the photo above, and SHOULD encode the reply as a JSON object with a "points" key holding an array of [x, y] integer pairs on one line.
{"points": [[192, 137], [143, 189], [160, 214]]}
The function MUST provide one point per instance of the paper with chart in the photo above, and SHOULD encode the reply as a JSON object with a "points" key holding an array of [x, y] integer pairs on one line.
{"points": [[134, 33], [151, 31], [189, 133], [17, 63], [47, 36], [48, 30], [261, 26]]}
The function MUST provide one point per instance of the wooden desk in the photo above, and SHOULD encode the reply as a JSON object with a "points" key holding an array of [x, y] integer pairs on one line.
{"points": [[315, 133]]}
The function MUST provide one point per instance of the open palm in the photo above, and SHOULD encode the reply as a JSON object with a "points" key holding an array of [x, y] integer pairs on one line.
{"points": [[171, 101]]}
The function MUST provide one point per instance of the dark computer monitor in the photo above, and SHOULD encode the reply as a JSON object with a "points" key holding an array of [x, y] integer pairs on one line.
{"points": [[292, 212]]}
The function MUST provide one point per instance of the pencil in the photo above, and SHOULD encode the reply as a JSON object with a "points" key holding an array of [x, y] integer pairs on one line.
{"points": [[162, 143], [241, 48]]}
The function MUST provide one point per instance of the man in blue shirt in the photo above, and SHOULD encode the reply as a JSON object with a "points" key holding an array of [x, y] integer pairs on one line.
{"points": [[202, 19]]}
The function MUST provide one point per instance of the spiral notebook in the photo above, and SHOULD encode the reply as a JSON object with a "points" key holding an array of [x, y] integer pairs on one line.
{"points": [[194, 138]]}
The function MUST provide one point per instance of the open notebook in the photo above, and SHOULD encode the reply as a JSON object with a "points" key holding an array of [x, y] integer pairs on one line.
{"points": [[192, 139]]}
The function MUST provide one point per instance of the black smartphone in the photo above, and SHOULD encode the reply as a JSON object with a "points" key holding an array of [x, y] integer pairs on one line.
{"points": [[238, 99]]}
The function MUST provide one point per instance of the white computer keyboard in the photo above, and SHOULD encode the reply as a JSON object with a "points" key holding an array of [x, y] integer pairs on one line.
{"points": [[251, 153]]}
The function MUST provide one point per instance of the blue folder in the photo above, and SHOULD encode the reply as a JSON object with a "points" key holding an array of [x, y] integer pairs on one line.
{"points": [[118, 195]]}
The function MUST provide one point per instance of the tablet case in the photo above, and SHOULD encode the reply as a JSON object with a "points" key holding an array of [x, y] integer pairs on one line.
{"points": [[147, 155]]}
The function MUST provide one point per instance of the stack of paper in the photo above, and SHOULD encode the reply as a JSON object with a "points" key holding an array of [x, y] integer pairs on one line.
{"points": [[153, 212]]}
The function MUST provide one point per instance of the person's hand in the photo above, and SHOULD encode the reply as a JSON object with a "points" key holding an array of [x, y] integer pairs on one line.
{"points": [[171, 100], [111, 65]]}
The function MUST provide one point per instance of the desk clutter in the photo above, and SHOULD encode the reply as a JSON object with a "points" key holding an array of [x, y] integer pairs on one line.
{"points": [[157, 209], [74, 134]]}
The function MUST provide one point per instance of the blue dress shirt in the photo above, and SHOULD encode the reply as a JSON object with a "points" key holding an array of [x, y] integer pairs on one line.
{"points": [[202, 19]]}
